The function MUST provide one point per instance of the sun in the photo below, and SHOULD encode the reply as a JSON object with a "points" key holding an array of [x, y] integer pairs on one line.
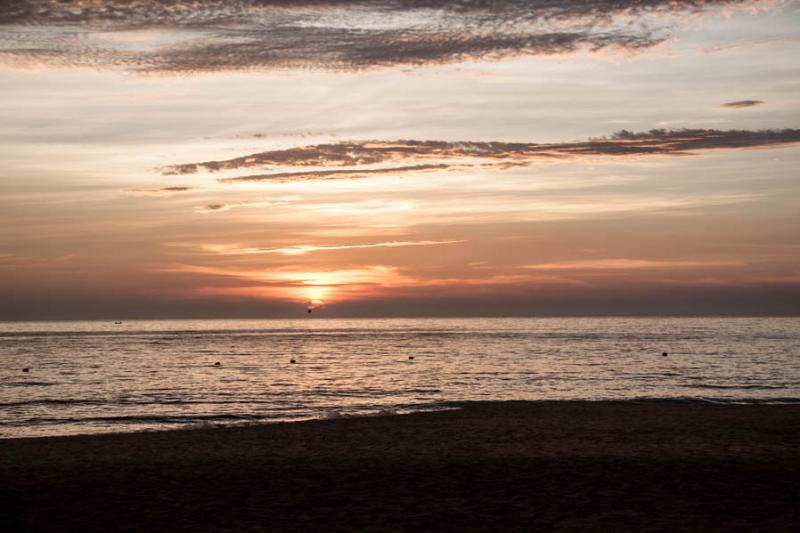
{"points": [[315, 296], [316, 293], [314, 304]]}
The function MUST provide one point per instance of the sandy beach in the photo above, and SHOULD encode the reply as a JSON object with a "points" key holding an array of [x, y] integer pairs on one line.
{"points": [[523, 466]]}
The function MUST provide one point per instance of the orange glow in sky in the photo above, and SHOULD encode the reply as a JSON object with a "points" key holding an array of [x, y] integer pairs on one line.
{"points": [[370, 164]]}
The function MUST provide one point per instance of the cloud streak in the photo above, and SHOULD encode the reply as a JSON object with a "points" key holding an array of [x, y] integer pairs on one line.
{"points": [[336, 285], [189, 36], [441, 155], [219, 208], [739, 104], [303, 249], [322, 175], [300, 285], [631, 264], [163, 191]]}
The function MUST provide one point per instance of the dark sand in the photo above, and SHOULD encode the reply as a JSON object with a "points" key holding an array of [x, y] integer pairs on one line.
{"points": [[656, 466]]}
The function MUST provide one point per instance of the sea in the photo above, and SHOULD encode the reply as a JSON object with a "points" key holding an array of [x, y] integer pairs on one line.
{"points": [[69, 378]]}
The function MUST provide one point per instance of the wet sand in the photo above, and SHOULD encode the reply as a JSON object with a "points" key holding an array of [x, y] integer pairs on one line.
{"points": [[500, 466]]}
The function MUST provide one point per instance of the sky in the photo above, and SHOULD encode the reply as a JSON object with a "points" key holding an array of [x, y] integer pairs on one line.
{"points": [[257, 158]]}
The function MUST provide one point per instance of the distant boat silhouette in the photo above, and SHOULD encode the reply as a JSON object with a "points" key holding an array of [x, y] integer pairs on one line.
{"points": [[217, 364], [118, 322], [663, 354], [26, 369], [292, 361]]}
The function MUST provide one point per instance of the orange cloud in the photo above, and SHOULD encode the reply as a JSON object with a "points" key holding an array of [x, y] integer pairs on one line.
{"points": [[339, 285], [299, 285], [631, 264], [302, 249], [219, 208]]}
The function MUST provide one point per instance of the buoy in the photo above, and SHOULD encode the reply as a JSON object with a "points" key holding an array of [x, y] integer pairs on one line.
{"points": [[410, 357], [26, 369], [663, 354], [217, 364], [292, 361]]}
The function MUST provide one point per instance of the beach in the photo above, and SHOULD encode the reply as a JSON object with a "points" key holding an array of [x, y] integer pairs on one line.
{"points": [[485, 466]]}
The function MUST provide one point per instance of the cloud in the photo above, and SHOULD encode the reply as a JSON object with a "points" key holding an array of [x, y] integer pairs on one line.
{"points": [[318, 175], [303, 249], [445, 154], [751, 44], [300, 285], [337, 285], [219, 208], [188, 36], [210, 208], [164, 191], [631, 264], [742, 103]]}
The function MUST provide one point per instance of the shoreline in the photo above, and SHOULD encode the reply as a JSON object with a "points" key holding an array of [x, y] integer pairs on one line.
{"points": [[558, 465], [433, 407]]}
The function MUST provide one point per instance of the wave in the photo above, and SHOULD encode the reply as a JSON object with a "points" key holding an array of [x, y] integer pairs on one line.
{"points": [[735, 387], [167, 422], [198, 418], [30, 383], [143, 419], [117, 403], [275, 399], [790, 400], [52, 401], [711, 399]]}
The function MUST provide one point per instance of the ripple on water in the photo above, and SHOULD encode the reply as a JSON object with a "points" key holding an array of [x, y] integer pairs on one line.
{"points": [[112, 378]]}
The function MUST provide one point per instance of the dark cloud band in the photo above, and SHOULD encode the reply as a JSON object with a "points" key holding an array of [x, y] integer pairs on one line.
{"points": [[333, 34], [284, 177], [447, 154]]}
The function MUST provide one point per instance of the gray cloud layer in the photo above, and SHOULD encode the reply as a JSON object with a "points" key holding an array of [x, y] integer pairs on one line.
{"points": [[333, 34], [499, 154]]}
